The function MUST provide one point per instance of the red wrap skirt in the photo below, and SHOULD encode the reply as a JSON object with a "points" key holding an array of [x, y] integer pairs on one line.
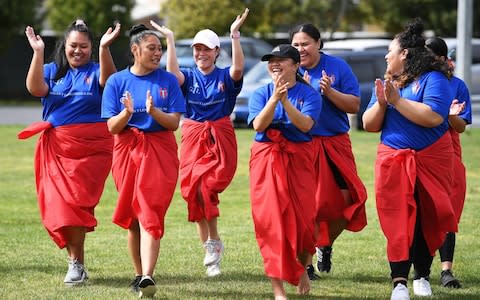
{"points": [[330, 204], [145, 171], [72, 163], [401, 173], [208, 160], [282, 188]]}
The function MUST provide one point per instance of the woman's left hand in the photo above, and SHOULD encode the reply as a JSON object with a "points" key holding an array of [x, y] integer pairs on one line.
{"points": [[392, 94], [456, 108], [109, 36], [149, 103]]}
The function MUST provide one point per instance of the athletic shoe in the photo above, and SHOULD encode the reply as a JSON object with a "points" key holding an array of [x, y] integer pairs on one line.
{"points": [[213, 270], [311, 273], [400, 292], [214, 252], [147, 287], [421, 287], [324, 257], [134, 284], [76, 273], [448, 280]]}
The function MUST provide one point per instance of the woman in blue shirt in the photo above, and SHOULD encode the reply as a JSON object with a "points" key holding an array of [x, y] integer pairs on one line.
{"points": [[208, 154], [74, 153], [143, 105]]}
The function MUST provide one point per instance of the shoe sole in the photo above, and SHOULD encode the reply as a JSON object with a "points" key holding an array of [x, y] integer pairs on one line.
{"points": [[76, 283], [147, 291]]}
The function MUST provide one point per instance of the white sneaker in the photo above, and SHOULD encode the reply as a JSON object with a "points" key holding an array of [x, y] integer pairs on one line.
{"points": [[213, 270], [400, 292], [421, 287], [76, 273], [214, 252]]}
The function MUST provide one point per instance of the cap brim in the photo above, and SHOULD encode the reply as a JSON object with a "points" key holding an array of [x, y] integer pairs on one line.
{"points": [[209, 45], [267, 57]]}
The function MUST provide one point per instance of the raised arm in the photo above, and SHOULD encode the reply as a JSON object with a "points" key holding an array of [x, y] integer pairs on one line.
{"points": [[107, 66], [238, 61], [35, 81], [172, 62]]}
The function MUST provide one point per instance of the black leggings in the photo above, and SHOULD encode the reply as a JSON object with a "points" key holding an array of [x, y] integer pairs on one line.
{"points": [[448, 248], [419, 255]]}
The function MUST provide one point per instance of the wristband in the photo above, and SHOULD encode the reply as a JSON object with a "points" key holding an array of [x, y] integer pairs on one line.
{"points": [[235, 35]]}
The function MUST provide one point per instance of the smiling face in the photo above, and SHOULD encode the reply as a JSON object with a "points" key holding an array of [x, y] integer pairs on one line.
{"points": [[78, 49], [308, 49], [284, 67], [147, 53], [395, 58], [205, 57]]}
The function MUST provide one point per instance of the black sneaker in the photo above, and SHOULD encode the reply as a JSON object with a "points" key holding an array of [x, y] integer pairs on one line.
{"points": [[147, 287], [311, 273], [324, 256], [134, 284], [448, 280]]}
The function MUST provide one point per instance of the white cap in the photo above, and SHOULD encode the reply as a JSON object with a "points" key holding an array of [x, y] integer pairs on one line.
{"points": [[206, 37]]}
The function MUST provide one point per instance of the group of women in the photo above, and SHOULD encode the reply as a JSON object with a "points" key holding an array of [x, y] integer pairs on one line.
{"points": [[304, 187]]}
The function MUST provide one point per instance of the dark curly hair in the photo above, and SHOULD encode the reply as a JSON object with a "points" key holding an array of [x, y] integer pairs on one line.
{"points": [[419, 59]]}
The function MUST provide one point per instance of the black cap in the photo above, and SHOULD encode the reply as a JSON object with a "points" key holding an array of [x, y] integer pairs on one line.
{"points": [[284, 51], [438, 46]]}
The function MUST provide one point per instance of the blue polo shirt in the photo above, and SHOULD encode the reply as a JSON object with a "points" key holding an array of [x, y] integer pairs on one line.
{"points": [[75, 98], [332, 121], [209, 97], [301, 95], [163, 87]]}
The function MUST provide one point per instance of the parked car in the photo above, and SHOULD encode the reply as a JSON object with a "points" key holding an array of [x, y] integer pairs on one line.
{"points": [[356, 45], [367, 66], [253, 49]]}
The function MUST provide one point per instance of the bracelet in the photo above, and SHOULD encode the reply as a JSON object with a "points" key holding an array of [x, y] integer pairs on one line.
{"points": [[235, 35]]}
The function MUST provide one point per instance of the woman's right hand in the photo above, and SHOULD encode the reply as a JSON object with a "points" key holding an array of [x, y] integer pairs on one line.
{"points": [[35, 40], [380, 93], [127, 101]]}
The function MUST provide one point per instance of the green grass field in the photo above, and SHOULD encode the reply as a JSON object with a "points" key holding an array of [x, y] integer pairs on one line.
{"points": [[32, 267]]}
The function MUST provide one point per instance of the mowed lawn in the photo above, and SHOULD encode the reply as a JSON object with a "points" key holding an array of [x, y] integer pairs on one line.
{"points": [[32, 267]]}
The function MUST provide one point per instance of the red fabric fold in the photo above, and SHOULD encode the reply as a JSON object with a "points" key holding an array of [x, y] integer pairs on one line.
{"points": [[145, 171], [330, 204], [282, 188], [459, 185], [397, 174], [33, 129], [208, 160], [72, 163]]}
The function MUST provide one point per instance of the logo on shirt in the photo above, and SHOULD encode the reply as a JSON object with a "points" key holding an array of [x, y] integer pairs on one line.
{"points": [[163, 92], [195, 89], [300, 103], [221, 86], [87, 79], [415, 87]]}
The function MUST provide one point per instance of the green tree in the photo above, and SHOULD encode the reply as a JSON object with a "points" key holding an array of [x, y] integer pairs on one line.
{"points": [[186, 17], [15, 16], [99, 14], [439, 16]]}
